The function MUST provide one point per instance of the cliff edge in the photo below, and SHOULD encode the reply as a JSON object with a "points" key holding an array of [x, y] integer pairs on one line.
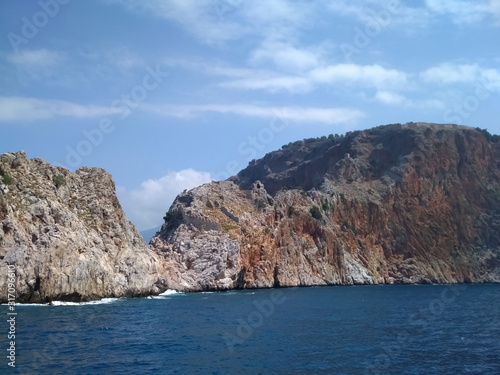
{"points": [[413, 203]]}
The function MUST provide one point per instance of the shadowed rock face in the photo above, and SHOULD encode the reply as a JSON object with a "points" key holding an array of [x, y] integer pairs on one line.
{"points": [[414, 203], [67, 235]]}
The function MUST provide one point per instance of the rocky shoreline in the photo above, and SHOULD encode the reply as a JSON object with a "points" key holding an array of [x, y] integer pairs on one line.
{"points": [[413, 203]]}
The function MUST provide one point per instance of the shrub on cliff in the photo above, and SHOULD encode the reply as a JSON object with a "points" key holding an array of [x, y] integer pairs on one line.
{"points": [[315, 212], [7, 179], [168, 216], [59, 181], [490, 137]]}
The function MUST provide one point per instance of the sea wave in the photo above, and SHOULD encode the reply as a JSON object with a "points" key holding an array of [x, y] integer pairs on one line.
{"points": [[167, 293], [98, 302], [66, 303]]}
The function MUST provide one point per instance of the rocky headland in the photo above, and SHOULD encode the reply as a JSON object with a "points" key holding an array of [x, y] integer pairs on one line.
{"points": [[67, 236], [413, 203]]}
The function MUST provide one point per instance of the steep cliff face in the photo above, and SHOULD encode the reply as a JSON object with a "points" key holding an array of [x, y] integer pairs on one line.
{"points": [[414, 203], [67, 236]]}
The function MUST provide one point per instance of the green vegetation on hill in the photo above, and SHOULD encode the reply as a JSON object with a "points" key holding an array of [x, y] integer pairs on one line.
{"points": [[7, 179], [490, 137]]}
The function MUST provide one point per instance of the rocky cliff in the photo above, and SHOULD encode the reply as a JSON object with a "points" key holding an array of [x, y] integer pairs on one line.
{"points": [[413, 203], [67, 235]]}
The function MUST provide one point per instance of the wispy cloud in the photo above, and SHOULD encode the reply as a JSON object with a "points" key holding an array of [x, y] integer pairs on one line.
{"points": [[362, 75], [210, 22], [462, 11], [450, 73], [38, 64], [389, 97], [495, 10], [396, 99], [31, 109], [415, 16], [124, 59], [147, 205], [373, 76], [289, 57], [40, 57], [296, 114], [272, 84]]}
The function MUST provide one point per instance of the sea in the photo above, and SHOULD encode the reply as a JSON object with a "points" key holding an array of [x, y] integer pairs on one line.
{"points": [[386, 329]]}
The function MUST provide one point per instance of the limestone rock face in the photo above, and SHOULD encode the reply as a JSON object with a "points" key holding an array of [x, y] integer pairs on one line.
{"points": [[67, 236], [413, 203]]}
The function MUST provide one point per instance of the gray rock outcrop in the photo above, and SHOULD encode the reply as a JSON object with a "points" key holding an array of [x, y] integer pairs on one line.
{"points": [[67, 235]]}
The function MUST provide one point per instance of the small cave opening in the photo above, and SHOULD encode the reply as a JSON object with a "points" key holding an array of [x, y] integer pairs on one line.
{"points": [[7, 230], [37, 284]]}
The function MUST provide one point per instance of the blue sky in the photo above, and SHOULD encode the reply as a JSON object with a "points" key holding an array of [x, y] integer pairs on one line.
{"points": [[167, 95]]}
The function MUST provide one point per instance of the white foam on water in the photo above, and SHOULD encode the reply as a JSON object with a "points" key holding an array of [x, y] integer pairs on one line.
{"points": [[27, 304], [169, 292], [98, 302], [66, 303]]}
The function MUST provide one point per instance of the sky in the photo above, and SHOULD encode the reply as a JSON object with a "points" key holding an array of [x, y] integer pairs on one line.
{"points": [[170, 94]]}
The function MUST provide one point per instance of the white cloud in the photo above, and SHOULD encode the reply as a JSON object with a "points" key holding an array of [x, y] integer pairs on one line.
{"points": [[385, 14], [391, 98], [363, 75], [147, 205], [37, 58], [271, 84], [219, 21], [31, 109], [201, 18], [461, 11], [395, 99], [495, 10], [450, 73], [214, 68], [411, 17], [123, 59], [38, 64], [296, 114], [287, 57]]}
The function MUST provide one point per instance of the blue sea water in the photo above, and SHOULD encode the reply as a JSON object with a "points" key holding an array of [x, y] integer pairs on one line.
{"points": [[399, 329]]}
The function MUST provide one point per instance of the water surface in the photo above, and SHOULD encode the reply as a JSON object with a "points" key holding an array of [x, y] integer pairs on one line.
{"points": [[400, 329]]}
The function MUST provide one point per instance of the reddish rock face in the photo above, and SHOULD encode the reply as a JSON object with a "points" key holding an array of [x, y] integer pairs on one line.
{"points": [[414, 203]]}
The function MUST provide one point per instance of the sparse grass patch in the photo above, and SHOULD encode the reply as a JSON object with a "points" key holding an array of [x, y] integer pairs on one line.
{"points": [[352, 227], [227, 227]]}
